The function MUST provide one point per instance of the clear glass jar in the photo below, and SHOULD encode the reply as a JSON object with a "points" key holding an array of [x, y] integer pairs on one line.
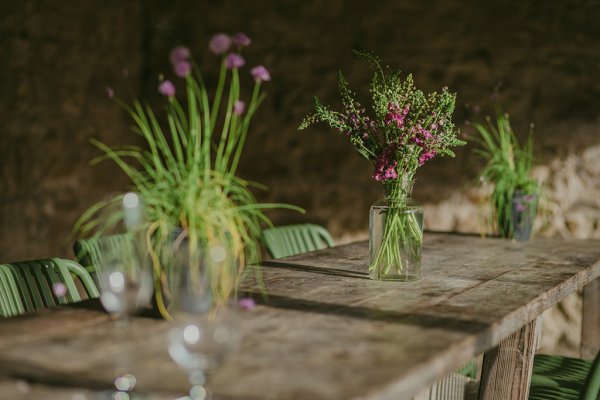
{"points": [[515, 214], [396, 235], [524, 208]]}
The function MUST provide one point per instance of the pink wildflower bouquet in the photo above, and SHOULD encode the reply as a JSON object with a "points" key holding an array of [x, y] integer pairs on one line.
{"points": [[407, 128]]}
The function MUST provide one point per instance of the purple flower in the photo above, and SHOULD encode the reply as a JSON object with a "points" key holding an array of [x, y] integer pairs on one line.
{"points": [[520, 207], [395, 115], [239, 107], [386, 172], [166, 88], [241, 40], [385, 166], [110, 92], [234, 60], [219, 43], [178, 54], [247, 303], [59, 289], [426, 156], [260, 73], [426, 134], [182, 68]]}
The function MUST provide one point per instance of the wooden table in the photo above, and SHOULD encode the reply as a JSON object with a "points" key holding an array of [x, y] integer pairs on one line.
{"points": [[328, 332]]}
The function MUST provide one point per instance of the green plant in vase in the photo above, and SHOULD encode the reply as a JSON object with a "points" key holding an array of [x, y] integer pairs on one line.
{"points": [[508, 167], [185, 175], [407, 128]]}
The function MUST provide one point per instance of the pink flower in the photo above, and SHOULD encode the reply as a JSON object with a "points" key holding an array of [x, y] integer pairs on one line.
{"points": [[247, 303], [166, 88], [59, 289], [219, 43], [385, 167], [241, 40], [239, 107], [426, 156], [260, 73], [110, 92], [395, 116], [417, 141], [234, 60], [178, 54], [386, 172], [182, 68]]}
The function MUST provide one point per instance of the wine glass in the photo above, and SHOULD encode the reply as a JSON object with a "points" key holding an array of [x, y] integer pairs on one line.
{"points": [[125, 278], [202, 334]]}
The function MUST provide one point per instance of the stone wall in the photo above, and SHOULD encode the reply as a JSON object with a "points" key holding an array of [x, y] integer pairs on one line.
{"points": [[538, 59]]}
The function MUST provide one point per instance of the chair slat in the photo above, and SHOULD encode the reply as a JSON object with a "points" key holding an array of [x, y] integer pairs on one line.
{"points": [[81, 273], [30, 285], [44, 286], [30, 288], [288, 240]]}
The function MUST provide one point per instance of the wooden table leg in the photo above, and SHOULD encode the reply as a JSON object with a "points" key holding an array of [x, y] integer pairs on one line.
{"points": [[507, 368], [590, 330]]}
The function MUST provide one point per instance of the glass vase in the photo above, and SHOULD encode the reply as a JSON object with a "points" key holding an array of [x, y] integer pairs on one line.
{"points": [[524, 208], [396, 234], [515, 214]]}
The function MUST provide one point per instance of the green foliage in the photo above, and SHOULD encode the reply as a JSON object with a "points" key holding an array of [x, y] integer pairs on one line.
{"points": [[508, 167], [186, 178]]}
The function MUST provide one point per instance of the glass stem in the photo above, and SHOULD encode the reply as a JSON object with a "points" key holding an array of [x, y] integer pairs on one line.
{"points": [[124, 378]]}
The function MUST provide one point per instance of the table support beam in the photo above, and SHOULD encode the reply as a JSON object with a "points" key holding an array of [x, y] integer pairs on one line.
{"points": [[507, 367], [590, 330]]}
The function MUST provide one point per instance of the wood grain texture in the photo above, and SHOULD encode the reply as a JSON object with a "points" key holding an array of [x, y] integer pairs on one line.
{"points": [[590, 332], [507, 367], [326, 331]]}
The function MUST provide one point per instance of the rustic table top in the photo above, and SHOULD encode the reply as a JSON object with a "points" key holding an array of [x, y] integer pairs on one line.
{"points": [[325, 331]]}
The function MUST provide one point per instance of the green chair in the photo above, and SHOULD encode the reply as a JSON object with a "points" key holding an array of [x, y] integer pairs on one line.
{"points": [[10, 298], [557, 377], [88, 251], [81, 273], [283, 241], [32, 285]]}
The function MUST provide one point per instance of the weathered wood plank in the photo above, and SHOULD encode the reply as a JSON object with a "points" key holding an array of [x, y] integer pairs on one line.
{"points": [[507, 367], [15, 389], [39, 325], [325, 331], [590, 332]]}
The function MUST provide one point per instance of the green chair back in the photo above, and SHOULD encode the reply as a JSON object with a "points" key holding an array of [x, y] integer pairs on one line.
{"points": [[77, 270], [592, 383], [283, 241], [10, 298], [31, 285], [558, 377], [88, 252]]}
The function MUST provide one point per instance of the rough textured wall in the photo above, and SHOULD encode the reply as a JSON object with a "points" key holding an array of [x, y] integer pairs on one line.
{"points": [[56, 58], [539, 59]]}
